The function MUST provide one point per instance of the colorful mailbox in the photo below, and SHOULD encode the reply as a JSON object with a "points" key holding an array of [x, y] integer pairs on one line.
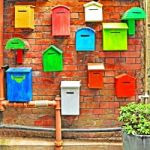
{"points": [[18, 45], [131, 16], [19, 84], [115, 36], [95, 75], [93, 12], [125, 85], [85, 39], [70, 97], [52, 59], [61, 21], [24, 16]]}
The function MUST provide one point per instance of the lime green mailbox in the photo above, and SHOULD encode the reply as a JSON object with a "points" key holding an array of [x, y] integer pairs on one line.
{"points": [[131, 15], [52, 59], [115, 36]]}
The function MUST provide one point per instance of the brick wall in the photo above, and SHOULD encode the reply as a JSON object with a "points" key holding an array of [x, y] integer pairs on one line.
{"points": [[99, 108]]}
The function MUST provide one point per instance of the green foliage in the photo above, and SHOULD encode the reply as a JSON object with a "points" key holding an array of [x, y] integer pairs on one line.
{"points": [[136, 118]]}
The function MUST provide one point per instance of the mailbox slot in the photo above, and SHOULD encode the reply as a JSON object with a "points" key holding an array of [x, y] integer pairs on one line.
{"points": [[95, 75], [24, 16], [125, 85], [61, 21], [93, 12], [19, 84], [115, 36], [85, 35], [70, 97]]}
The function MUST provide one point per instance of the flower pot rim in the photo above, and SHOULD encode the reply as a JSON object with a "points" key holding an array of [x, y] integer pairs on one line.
{"points": [[137, 135]]}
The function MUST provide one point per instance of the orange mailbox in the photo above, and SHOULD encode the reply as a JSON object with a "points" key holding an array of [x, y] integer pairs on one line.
{"points": [[95, 75], [125, 85], [60, 21]]}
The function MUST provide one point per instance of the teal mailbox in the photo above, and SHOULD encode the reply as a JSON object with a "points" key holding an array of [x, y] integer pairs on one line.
{"points": [[52, 59], [85, 39], [131, 15]]}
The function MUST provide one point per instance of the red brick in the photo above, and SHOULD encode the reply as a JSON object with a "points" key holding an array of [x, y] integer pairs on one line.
{"points": [[75, 15]]}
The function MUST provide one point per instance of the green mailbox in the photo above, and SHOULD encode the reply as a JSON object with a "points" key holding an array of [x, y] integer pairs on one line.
{"points": [[131, 15], [19, 45], [115, 36], [52, 59]]}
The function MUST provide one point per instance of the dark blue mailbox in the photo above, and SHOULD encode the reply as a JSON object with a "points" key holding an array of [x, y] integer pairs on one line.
{"points": [[19, 84], [85, 39]]}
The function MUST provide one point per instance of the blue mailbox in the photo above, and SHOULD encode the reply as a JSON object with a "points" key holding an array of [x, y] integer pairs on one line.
{"points": [[19, 84], [85, 39]]}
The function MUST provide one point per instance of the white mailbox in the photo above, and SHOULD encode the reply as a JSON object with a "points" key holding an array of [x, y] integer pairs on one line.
{"points": [[93, 12], [70, 98]]}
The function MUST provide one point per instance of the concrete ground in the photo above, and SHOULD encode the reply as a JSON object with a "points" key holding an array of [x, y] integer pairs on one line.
{"points": [[19, 143]]}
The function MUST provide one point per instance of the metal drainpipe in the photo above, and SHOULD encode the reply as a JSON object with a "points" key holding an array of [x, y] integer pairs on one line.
{"points": [[1, 52]]}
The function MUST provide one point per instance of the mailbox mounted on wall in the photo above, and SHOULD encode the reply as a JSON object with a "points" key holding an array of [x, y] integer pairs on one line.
{"points": [[19, 84], [95, 75], [70, 97], [24, 16], [125, 85], [18, 45], [52, 59], [93, 12], [85, 39], [115, 36], [131, 15], [60, 21]]}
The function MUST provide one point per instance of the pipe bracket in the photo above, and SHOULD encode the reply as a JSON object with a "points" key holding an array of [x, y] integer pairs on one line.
{"points": [[58, 143]]}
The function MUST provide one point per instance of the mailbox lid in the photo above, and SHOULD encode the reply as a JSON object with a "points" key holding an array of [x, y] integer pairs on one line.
{"points": [[19, 84], [85, 35], [96, 66], [17, 43], [115, 36], [115, 26], [135, 13], [61, 21], [19, 70], [125, 77], [70, 84], [27, 21], [52, 59]]}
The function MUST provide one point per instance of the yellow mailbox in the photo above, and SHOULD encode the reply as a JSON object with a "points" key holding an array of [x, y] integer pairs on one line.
{"points": [[24, 16]]}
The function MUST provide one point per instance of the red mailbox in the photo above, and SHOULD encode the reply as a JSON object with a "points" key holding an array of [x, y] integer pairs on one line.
{"points": [[125, 85], [95, 75], [60, 21]]}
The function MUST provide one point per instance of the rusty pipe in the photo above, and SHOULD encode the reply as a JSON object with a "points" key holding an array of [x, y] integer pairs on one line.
{"points": [[32, 104], [41, 103], [58, 142], [2, 97]]}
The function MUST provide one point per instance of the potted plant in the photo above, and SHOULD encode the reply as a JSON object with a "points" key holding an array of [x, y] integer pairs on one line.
{"points": [[136, 126]]}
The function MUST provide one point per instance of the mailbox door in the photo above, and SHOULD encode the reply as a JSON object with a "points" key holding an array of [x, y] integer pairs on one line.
{"points": [[19, 87], [85, 40], [24, 17], [52, 61], [125, 88], [114, 39], [93, 14], [70, 101], [61, 21], [95, 79]]}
